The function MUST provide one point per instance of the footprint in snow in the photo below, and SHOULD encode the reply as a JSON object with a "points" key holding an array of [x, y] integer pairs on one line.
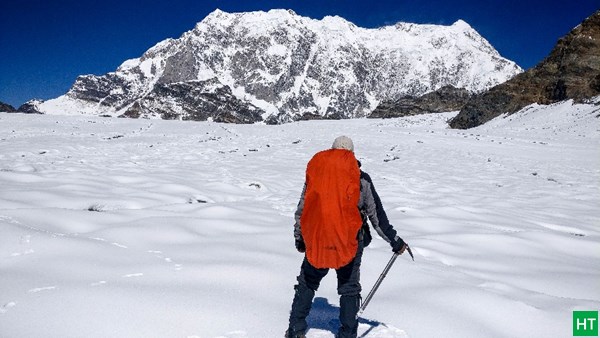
{"points": [[17, 254], [139, 274], [7, 306], [232, 334], [159, 254], [44, 288], [364, 330]]}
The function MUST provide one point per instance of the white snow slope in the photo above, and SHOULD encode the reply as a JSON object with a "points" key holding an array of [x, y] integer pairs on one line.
{"points": [[139, 228]]}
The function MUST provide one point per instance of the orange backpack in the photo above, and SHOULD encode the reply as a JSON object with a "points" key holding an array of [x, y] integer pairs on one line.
{"points": [[330, 219]]}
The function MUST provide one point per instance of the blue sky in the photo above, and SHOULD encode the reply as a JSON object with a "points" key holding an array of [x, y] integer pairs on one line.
{"points": [[45, 44]]}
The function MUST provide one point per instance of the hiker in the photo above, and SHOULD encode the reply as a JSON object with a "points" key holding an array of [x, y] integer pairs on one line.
{"points": [[331, 229]]}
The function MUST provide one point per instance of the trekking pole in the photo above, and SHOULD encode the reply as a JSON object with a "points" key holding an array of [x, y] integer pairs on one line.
{"points": [[381, 277]]}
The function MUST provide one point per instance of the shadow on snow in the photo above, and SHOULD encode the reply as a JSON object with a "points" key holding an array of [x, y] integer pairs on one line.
{"points": [[325, 316]]}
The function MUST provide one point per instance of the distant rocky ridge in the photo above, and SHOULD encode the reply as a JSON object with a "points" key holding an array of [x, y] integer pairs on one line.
{"points": [[31, 107], [279, 67], [7, 108], [571, 71], [442, 100]]}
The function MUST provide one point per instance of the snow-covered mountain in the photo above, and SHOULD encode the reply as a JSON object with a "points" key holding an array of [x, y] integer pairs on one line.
{"points": [[570, 71], [280, 66], [181, 229]]}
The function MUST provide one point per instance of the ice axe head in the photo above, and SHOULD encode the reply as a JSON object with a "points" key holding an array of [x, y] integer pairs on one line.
{"points": [[410, 252]]}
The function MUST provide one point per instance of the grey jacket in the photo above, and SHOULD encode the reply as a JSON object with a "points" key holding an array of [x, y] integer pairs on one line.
{"points": [[370, 207]]}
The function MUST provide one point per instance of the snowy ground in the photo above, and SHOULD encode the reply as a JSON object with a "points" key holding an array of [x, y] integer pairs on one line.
{"points": [[145, 228]]}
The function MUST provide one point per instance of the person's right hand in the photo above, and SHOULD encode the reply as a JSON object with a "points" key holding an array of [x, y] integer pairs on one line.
{"points": [[402, 249], [399, 246], [300, 246]]}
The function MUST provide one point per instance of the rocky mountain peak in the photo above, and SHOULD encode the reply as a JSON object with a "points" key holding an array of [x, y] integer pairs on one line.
{"points": [[570, 71], [283, 67]]}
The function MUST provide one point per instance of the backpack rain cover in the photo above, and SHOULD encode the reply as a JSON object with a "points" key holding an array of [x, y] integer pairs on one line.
{"points": [[330, 219]]}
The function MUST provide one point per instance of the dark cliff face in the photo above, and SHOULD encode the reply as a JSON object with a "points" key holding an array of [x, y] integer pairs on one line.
{"points": [[101, 90], [571, 71], [195, 100], [442, 100], [7, 108]]}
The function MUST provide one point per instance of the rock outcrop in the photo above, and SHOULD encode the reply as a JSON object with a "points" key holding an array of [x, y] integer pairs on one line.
{"points": [[31, 107], [571, 71], [195, 100], [7, 108], [442, 100]]}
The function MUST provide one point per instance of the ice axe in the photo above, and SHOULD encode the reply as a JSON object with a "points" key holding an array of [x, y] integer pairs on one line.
{"points": [[381, 277]]}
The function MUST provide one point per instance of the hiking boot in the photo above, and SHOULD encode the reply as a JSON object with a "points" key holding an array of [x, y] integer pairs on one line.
{"points": [[349, 305], [300, 310], [294, 335]]}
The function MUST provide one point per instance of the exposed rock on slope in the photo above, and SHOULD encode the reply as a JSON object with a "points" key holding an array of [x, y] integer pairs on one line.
{"points": [[444, 99], [31, 107], [195, 100], [5, 107], [571, 71]]}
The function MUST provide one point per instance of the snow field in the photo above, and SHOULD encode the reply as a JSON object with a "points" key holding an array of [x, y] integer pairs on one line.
{"points": [[145, 228]]}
